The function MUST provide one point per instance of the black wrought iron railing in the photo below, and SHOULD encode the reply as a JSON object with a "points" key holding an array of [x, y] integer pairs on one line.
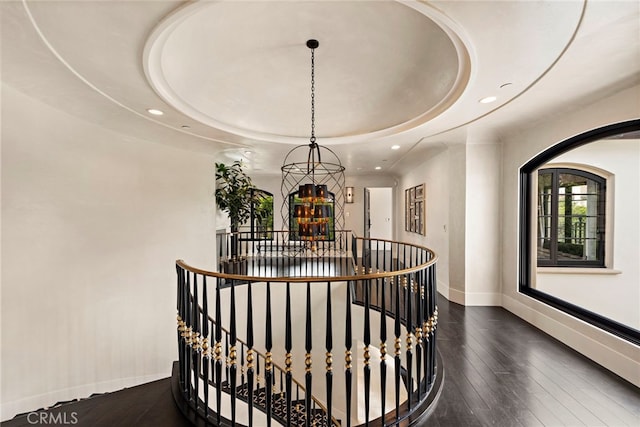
{"points": [[249, 343]]}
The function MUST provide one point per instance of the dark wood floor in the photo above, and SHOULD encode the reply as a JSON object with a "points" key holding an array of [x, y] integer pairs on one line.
{"points": [[499, 371]]}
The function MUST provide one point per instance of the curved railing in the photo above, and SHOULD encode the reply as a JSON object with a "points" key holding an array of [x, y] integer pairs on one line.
{"points": [[286, 310]]}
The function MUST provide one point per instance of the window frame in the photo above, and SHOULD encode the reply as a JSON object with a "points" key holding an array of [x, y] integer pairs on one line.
{"points": [[527, 203], [602, 218], [257, 194]]}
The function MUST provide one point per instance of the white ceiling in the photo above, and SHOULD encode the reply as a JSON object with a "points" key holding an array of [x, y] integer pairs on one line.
{"points": [[234, 76]]}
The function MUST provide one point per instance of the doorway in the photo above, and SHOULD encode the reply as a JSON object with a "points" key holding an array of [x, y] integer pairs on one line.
{"points": [[378, 224], [378, 212]]}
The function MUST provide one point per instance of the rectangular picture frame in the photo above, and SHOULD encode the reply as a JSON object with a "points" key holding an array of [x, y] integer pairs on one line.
{"points": [[407, 205], [415, 209]]}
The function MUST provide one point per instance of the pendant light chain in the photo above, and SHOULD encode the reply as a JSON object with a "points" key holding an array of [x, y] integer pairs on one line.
{"points": [[314, 149], [313, 98]]}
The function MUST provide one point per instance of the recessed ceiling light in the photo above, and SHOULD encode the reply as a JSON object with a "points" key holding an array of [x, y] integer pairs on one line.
{"points": [[248, 153], [155, 112], [488, 99], [378, 168], [395, 147]]}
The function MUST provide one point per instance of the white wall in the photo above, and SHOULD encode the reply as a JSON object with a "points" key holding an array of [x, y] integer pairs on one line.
{"points": [[482, 224], [92, 223], [616, 296], [456, 173], [463, 219], [439, 193], [616, 354]]}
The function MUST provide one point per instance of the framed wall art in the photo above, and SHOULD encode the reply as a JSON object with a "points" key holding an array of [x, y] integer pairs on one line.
{"points": [[415, 209]]}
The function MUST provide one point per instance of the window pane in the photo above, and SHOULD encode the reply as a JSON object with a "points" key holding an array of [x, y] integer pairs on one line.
{"points": [[569, 251], [259, 225], [570, 180], [570, 212], [263, 215], [578, 212], [545, 189]]}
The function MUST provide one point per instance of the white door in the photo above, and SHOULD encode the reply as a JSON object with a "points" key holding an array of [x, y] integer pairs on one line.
{"points": [[380, 213]]}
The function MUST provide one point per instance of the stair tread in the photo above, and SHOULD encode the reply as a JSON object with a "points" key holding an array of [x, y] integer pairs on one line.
{"points": [[279, 405]]}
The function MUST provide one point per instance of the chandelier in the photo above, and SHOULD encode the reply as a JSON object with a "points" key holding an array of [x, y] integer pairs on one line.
{"points": [[312, 190]]}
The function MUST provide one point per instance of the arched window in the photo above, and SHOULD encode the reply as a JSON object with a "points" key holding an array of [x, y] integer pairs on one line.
{"points": [[570, 218], [260, 224], [567, 209]]}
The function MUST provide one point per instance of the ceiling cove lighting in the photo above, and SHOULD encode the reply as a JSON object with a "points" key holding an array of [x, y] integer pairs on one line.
{"points": [[313, 190]]}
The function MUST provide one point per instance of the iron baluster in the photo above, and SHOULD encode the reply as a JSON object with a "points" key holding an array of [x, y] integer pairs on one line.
{"points": [[329, 356], [288, 346], [249, 366], [187, 337], [206, 351], [268, 367], [409, 352], [383, 348], [367, 342], [418, 331], [347, 355], [397, 346], [232, 351], [218, 353], [195, 335], [307, 362]]}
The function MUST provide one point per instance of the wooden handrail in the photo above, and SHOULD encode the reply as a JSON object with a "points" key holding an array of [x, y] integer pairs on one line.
{"points": [[358, 276]]}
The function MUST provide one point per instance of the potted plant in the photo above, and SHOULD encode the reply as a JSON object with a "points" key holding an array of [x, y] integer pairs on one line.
{"points": [[234, 196]]}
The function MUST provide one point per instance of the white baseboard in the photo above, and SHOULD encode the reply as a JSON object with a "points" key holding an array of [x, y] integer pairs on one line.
{"points": [[457, 296], [443, 289], [9, 410], [483, 299], [598, 345], [469, 298]]}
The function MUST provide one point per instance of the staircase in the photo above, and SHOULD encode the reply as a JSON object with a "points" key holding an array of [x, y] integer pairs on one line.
{"points": [[279, 406], [363, 343]]}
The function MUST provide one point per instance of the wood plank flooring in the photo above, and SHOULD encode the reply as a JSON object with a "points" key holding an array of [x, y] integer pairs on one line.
{"points": [[499, 371]]}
